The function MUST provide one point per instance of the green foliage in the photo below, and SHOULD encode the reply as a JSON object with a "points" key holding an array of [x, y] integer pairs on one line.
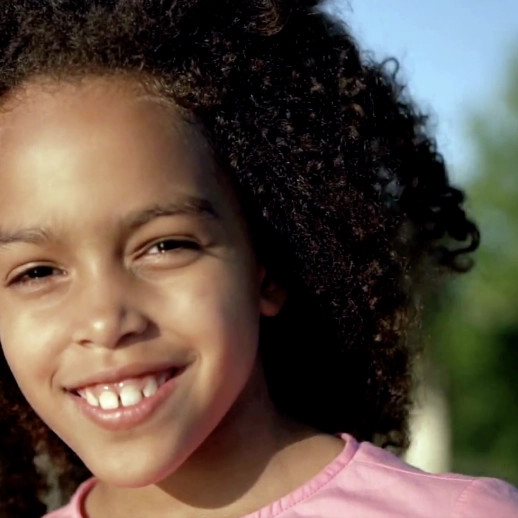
{"points": [[475, 332]]}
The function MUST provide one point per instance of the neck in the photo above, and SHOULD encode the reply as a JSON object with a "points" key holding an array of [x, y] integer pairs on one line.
{"points": [[252, 458]]}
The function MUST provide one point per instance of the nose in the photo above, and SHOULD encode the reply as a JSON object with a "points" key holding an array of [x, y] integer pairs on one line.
{"points": [[107, 315]]}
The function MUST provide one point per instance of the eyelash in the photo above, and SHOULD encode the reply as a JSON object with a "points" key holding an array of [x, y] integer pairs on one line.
{"points": [[35, 275], [25, 278], [178, 244]]}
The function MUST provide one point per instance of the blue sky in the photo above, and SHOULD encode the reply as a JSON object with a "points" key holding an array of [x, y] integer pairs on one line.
{"points": [[453, 54]]}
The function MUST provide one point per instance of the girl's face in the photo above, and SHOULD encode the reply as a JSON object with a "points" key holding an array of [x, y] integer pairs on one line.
{"points": [[129, 293]]}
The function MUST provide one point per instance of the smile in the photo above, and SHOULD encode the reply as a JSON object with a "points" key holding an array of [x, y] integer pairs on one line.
{"points": [[127, 402], [128, 392]]}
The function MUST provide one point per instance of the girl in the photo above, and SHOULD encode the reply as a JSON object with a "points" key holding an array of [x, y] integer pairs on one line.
{"points": [[213, 220]]}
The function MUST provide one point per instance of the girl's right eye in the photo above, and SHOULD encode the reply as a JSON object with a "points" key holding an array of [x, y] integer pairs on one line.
{"points": [[34, 275]]}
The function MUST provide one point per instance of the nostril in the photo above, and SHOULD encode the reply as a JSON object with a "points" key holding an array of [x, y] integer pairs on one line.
{"points": [[110, 327]]}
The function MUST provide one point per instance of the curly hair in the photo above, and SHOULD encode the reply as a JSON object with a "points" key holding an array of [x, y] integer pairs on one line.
{"points": [[347, 198]]}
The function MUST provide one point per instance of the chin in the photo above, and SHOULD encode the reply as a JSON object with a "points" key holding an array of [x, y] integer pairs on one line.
{"points": [[136, 476], [133, 467]]}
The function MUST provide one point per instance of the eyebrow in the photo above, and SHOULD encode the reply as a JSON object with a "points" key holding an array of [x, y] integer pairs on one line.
{"points": [[34, 235], [189, 205]]}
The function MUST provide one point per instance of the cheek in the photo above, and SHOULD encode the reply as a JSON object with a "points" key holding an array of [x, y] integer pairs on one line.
{"points": [[217, 313], [29, 348]]}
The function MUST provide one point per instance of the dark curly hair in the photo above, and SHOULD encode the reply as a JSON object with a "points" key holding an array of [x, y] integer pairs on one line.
{"points": [[346, 196]]}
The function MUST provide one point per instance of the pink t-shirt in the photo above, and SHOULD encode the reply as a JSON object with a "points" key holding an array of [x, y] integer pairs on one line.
{"points": [[365, 481]]}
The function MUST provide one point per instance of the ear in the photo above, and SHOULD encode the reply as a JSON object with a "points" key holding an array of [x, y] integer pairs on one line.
{"points": [[272, 295]]}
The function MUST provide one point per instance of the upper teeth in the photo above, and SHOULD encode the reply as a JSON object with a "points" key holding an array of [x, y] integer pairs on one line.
{"points": [[108, 398]]}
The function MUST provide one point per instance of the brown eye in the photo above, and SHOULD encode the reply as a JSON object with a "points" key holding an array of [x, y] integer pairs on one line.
{"points": [[169, 245], [35, 274], [39, 272]]}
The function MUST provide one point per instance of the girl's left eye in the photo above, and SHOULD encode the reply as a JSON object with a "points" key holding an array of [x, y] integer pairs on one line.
{"points": [[165, 255], [170, 245]]}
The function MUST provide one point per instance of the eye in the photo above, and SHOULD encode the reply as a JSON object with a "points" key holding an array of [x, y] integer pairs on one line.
{"points": [[35, 275], [170, 245], [166, 255]]}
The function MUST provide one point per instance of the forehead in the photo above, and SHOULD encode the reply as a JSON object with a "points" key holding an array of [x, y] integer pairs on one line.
{"points": [[45, 107], [101, 135]]}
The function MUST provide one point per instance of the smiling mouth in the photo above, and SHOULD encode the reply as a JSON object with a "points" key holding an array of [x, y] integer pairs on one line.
{"points": [[125, 393]]}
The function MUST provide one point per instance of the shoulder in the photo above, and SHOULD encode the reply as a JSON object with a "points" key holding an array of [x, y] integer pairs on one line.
{"points": [[374, 483], [484, 496], [74, 509], [390, 483]]}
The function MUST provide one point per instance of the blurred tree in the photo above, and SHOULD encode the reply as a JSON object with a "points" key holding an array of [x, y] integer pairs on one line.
{"points": [[474, 333]]}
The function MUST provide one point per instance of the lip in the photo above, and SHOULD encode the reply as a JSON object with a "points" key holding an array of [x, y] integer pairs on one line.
{"points": [[126, 418], [116, 375]]}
